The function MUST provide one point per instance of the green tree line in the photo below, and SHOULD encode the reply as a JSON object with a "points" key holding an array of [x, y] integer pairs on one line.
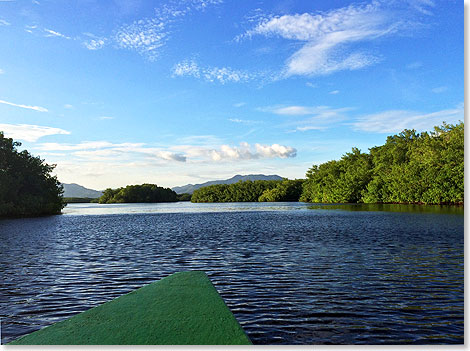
{"points": [[27, 187], [250, 191], [410, 167], [138, 193]]}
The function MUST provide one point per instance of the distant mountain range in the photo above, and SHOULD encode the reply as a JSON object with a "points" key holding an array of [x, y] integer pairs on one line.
{"points": [[189, 188], [75, 190]]}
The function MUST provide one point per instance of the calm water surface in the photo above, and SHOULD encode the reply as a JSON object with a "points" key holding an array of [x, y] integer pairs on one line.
{"points": [[291, 273]]}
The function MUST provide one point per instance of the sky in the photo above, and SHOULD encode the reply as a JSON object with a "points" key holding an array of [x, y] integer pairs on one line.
{"points": [[175, 92]]}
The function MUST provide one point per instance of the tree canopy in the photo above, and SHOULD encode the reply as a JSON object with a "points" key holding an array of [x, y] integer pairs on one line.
{"points": [[286, 190], [242, 191], [409, 168], [138, 193], [27, 187]]}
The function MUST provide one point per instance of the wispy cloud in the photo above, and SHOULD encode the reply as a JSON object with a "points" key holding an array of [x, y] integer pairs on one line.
{"points": [[4, 23], [328, 37], [239, 104], [2, 71], [30, 29], [334, 92], [148, 35], [243, 121], [94, 44], [296, 110], [96, 150], [45, 32], [319, 117], [105, 117], [68, 106], [212, 74], [143, 36], [395, 121], [35, 108], [52, 33], [423, 6], [28, 132]]}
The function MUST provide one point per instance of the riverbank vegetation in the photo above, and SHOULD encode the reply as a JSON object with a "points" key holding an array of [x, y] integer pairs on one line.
{"points": [[247, 191], [410, 167], [80, 200], [184, 197], [138, 193], [27, 187], [250, 191]]}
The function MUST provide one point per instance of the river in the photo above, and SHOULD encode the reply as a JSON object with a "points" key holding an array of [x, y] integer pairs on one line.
{"points": [[291, 273]]}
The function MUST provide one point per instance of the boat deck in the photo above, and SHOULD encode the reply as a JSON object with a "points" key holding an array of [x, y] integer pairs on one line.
{"points": [[181, 309]]}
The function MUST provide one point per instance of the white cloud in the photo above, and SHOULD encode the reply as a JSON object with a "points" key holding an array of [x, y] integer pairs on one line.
{"points": [[243, 152], [94, 44], [334, 92], [310, 127], [4, 23], [296, 110], [276, 150], [68, 106], [35, 108], [28, 132], [239, 104], [211, 74], [86, 145], [243, 121], [105, 117], [329, 36], [144, 36], [52, 33], [94, 150], [187, 68], [224, 75], [2, 71], [395, 121]]}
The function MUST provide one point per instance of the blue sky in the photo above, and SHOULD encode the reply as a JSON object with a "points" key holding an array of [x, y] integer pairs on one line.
{"points": [[175, 92]]}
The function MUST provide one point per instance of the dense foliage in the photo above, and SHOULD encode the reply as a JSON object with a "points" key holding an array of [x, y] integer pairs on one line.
{"points": [[251, 191], [79, 200], [248, 191], [287, 190], [138, 193], [409, 168], [184, 197], [27, 187]]}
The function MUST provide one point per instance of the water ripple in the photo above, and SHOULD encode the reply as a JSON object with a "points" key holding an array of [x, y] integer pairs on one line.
{"points": [[290, 275]]}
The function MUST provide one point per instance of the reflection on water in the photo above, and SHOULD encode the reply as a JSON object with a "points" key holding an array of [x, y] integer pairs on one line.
{"points": [[289, 274], [439, 209], [180, 207]]}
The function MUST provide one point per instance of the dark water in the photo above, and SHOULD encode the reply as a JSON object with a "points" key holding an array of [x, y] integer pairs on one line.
{"points": [[291, 275]]}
